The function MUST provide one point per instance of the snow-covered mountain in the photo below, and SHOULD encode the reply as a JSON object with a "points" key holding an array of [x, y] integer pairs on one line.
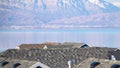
{"points": [[39, 13], [58, 6]]}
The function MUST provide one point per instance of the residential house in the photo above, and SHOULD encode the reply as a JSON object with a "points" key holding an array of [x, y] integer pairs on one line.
{"points": [[58, 58], [115, 54], [53, 45], [98, 63], [13, 63]]}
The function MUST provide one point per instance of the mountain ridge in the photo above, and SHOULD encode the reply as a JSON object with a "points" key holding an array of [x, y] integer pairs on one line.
{"points": [[40, 13], [56, 5]]}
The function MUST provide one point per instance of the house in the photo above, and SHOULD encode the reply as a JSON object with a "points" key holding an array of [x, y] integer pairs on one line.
{"points": [[13, 63], [115, 54], [62, 46], [66, 45], [58, 58], [98, 63], [34, 46], [30, 46], [37, 46], [52, 45], [76, 45]]}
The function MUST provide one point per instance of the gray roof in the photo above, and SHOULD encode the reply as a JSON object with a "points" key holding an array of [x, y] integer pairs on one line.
{"points": [[73, 43], [115, 53], [53, 46], [57, 58], [23, 63], [104, 63], [68, 45]]}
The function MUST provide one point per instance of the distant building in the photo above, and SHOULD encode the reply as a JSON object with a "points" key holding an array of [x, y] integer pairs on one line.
{"points": [[75, 45], [52, 45], [13, 63], [31, 46]]}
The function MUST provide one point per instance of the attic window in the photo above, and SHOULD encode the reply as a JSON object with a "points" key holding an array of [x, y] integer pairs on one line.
{"points": [[38, 67], [16, 65], [94, 64], [117, 49], [84, 46], [4, 63], [115, 66]]}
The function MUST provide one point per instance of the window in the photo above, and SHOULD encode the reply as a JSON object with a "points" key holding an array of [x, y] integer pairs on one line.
{"points": [[16, 65], [84, 46], [94, 64], [115, 66], [38, 67], [4, 63]]}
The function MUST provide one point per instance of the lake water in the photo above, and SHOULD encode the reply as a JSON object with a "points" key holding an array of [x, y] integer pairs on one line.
{"points": [[93, 37]]}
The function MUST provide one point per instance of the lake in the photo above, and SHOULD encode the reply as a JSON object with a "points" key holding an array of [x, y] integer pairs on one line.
{"points": [[107, 37]]}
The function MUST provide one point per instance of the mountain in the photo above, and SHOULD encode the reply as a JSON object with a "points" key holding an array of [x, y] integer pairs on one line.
{"points": [[97, 20], [32, 14]]}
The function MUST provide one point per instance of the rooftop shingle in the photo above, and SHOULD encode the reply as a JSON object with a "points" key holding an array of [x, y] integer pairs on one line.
{"points": [[58, 58], [19, 63], [104, 63]]}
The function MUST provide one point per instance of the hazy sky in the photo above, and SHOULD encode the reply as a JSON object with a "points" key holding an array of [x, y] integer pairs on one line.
{"points": [[115, 2], [112, 0], [96, 37]]}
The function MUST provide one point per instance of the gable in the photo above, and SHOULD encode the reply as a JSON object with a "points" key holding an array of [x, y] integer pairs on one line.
{"points": [[39, 65]]}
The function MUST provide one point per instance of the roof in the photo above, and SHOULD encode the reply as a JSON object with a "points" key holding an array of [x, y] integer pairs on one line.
{"points": [[104, 63], [31, 46], [37, 46], [67, 46], [72, 43], [52, 45], [115, 53], [58, 57], [41, 65], [23, 63]]}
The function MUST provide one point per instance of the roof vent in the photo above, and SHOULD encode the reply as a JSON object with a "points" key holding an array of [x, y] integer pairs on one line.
{"points": [[94, 64], [69, 64], [45, 47], [4, 63], [84, 46], [115, 66], [16, 65], [113, 57], [38, 67]]}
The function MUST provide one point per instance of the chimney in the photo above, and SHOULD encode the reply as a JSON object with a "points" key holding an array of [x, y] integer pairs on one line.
{"points": [[45, 47], [69, 64], [113, 57]]}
